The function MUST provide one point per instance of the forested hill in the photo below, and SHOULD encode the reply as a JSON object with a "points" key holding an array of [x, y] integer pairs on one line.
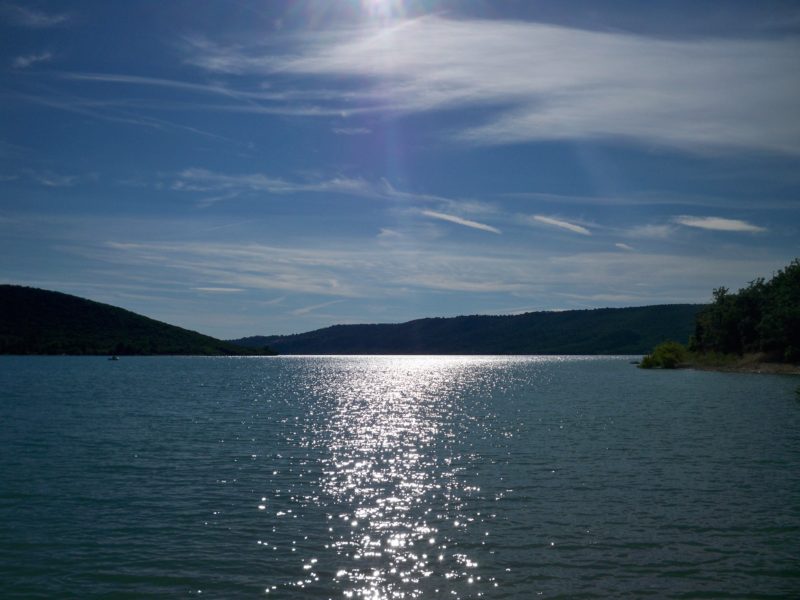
{"points": [[599, 331], [34, 321]]}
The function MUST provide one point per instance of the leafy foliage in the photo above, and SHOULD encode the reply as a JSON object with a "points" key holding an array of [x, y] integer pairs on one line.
{"points": [[763, 317], [600, 331], [34, 321], [668, 355]]}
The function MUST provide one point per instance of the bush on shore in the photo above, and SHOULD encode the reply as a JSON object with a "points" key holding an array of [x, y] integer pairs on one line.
{"points": [[668, 355]]}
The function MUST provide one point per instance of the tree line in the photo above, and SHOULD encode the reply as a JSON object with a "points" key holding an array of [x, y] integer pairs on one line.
{"points": [[761, 318]]}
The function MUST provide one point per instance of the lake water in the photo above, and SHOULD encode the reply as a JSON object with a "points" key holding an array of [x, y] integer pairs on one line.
{"points": [[395, 477]]}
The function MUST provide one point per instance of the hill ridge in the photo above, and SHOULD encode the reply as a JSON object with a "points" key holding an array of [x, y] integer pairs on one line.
{"points": [[37, 321], [627, 330]]}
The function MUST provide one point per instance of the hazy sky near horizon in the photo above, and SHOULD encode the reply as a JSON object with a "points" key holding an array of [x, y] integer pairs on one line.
{"points": [[243, 168]]}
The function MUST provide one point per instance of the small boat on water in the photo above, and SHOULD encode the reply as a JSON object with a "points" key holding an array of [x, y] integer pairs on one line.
{"points": [[115, 357]]}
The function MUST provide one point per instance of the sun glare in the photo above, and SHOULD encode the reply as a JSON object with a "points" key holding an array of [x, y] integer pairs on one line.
{"points": [[383, 9]]}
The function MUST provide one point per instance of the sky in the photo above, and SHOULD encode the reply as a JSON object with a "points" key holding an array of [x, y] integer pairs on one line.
{"points": [[265, 167]]}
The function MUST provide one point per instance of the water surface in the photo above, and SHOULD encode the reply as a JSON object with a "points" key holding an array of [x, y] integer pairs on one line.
{"points": [[395, 477]]}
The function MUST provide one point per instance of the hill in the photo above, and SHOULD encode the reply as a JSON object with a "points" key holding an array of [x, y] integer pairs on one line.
{"points": [[600, 331], [34, 321]]}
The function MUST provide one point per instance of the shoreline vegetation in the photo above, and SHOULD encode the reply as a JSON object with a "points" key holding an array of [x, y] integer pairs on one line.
{"points": [[755, 330]]}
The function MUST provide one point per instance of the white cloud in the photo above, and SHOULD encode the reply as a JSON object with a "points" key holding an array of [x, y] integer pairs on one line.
{"points": [[389, 234], [351, 130], [35, 19], [202, 180], [545, 82], [219, 290], [459, 221], [23, 62], [561, 224], [100, 110], [49, 179], [309, 309], [659, 232], [718, 224], [248, 97], [622, 246], [223, 186], [334, 271]]}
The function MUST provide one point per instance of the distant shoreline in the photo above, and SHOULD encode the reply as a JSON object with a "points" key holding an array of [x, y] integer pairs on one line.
{"points": [[762, 368], [749, 363]]}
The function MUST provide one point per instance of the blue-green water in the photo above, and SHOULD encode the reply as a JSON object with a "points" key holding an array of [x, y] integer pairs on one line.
{"points": [[395, 477]]}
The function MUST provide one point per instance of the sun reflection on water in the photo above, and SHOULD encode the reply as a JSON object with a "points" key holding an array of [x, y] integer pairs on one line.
{"points": [[392, 476]]}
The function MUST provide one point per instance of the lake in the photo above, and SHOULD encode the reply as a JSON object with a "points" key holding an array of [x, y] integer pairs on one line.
{"points": [[395, 477]]}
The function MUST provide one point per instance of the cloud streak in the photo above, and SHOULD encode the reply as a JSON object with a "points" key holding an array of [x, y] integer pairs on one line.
{"points": [[28, 60], [310, 309], [460, 221], [719, 224], [230, 186], [334, 272], [32, 18], [351, 131], [561, 224], [218, 290], [53, 180], [545, 82], [226, 186]]}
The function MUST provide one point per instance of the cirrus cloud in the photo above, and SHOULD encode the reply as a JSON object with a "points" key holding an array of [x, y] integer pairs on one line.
{"points": [[27, 60], [561, 224], [460, 221], [24, 16], [545, 82], [718, 224]]}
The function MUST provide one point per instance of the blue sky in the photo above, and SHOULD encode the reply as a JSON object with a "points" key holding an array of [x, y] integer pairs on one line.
{"points": [[242, 168]]}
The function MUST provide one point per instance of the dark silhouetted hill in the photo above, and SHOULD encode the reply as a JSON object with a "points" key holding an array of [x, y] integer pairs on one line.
{"points": [[600, 331], [34, 321]]}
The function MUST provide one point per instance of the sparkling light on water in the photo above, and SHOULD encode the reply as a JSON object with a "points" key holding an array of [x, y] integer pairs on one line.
{"points": [[391, 475]]}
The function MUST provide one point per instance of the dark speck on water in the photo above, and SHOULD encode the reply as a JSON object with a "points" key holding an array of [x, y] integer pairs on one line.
{"points": [[395, 477]]}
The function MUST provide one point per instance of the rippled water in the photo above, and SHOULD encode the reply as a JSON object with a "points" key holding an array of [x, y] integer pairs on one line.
{"points": [[395, 477]]}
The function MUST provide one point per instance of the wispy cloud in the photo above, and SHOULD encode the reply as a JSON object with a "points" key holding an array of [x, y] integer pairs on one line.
{"points": [[35, 19], [460, 221], [284, 101], [651, 231], [219, 290], [561, 224], [625, 247], [227, 186], [361, 271], [96, 110], [389, 234], [309, 309], [545, 82], [27, 60], [351, 130], [718, 224], [50, 179], [203, 180], [217, 89]]}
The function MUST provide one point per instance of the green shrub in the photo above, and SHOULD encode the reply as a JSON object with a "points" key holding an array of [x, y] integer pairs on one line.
{"points": [[668, 355]]}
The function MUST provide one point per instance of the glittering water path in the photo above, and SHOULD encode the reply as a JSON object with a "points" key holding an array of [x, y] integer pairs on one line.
{"points": [[395, 477]]}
